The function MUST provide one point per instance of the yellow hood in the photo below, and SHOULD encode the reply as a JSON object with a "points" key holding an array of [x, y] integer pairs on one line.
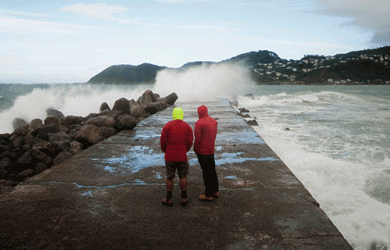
{"points": [[177, 114]]}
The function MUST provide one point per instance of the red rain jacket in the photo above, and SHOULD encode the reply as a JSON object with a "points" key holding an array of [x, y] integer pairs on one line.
{"points": [[176, 140], [205, 133]]}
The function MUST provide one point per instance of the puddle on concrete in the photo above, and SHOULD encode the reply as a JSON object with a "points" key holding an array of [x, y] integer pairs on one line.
{"points": [[235, 158], [230, 177], [98, 187], [109, 169], [139, 182], [146, 135], [89, 194], [158, 176], [139, 157]]}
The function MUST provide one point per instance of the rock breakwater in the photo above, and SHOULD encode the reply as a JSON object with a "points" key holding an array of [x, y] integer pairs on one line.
{"points": [[37, 145]]}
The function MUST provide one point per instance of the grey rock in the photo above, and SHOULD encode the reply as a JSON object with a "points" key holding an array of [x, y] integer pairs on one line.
{"points": [[55, 112], [104, 106], [71, 120], [89, 134], [75, 147], [18, 122], [35, 124], [125, 122], [122, 105], [41, 156], [102, 121], [26, 173]]}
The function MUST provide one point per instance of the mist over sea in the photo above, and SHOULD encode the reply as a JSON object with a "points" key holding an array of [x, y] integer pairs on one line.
{"points": [[335, 139]]}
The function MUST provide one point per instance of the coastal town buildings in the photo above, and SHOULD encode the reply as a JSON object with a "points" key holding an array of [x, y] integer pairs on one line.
{"points": [[289, 71]]}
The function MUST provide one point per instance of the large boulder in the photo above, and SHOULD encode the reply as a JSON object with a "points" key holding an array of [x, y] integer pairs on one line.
{"points": [[19, 122], [102, 121], [43, 132], [171, 99], [104, 106], [108, 131], [139, 111], [5, 137], [71, 120], [148, 97], [3, 148], [133, 102], [24, 174], [52, 120], [41, 156], [25, 159], [89, 135], [16, 153], [6, 163], [125, 122], [122, 105], [35, 124], [30, 142], [3, 175], [60, 136], [75, 147], [45, 147], [154, 107], [61, 146], [17, 141], [21, 131], [55, 112]]}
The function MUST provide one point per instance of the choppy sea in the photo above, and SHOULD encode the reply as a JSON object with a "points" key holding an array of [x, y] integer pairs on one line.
{"points": [[335, 139]]}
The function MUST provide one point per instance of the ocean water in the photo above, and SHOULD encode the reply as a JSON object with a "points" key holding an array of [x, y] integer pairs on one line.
{"points": [[335, 139]]}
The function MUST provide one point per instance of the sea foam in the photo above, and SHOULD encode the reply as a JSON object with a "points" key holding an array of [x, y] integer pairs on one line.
{"points": [[340, 159]]}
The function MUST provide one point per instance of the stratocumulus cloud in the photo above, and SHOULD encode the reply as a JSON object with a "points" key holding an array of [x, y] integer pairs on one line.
{"points": [[370, 15]]}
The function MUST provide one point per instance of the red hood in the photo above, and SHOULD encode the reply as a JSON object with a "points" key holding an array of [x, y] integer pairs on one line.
{"points": [[202, 111]]}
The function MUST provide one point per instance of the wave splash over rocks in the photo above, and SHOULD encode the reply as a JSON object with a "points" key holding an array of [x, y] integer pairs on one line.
{"points": [[63, 129]]}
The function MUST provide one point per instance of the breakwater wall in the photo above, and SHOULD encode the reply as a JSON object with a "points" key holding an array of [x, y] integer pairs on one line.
{"points": [[108, 197]]}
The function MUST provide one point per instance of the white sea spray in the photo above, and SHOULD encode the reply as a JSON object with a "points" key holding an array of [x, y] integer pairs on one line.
{"points": [[70, 99]]}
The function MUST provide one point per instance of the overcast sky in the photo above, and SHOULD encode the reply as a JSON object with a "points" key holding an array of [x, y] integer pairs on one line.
{"points": [[68, 41]]}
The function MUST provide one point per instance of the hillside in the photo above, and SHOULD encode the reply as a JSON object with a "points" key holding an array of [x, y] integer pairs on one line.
{"points": [[144, 73], [356, 67]]}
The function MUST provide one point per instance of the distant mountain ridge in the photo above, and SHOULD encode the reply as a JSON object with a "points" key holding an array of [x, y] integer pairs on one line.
{"points": [[371, 66]]}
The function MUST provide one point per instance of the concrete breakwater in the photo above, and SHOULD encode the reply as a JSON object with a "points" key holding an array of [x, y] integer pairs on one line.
{"points": [[108, 197]]}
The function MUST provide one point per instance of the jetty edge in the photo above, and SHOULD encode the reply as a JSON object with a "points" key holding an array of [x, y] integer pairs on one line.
{"points": [[108, 197]]}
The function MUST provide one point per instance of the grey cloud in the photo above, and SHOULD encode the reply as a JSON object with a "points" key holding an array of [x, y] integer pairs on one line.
{"points": [[373, 15]]}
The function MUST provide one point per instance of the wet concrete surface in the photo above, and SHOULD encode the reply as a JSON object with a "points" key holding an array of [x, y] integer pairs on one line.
{"points": [[108, 197]]}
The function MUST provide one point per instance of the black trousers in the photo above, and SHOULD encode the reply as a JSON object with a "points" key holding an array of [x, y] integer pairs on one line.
{"points": [[207, 163]]}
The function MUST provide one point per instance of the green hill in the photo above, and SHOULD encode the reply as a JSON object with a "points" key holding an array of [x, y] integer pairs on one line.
{"points": [[128, 74]]}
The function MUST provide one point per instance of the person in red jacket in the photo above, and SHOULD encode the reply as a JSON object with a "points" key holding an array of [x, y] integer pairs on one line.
{"points": [[204, 146], [176, 140]]}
